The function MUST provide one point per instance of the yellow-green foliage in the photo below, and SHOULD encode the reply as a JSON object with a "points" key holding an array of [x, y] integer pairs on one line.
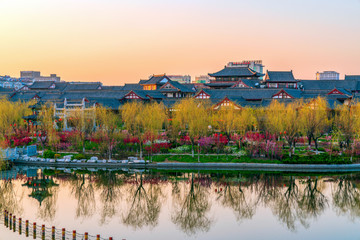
{"points": [[314, 121], [192, 116], [46, 124], [229, 119], [11, 114], [347, 120]]}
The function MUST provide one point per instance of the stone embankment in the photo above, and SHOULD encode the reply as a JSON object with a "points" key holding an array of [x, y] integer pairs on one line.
{"points": [[140, 164]]}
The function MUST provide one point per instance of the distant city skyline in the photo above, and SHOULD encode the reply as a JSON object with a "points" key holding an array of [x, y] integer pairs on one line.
{"points": [[119, 42]]}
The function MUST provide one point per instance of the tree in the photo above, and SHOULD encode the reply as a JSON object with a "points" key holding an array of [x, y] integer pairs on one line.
{"points": [[315, 120], [229, 120], [284, 119], [132, 117], [11, 114], [46, 130], [347, 121], [153, 118], [83, 122], [141, 119], [192, 117], [109, 124]]}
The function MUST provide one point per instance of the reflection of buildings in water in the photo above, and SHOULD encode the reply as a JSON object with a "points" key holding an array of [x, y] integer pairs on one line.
{"points": [[42, 190], [40, 186]]}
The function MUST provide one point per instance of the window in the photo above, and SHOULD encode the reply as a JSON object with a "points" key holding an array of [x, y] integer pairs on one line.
{"points": [[272, 85], [291, 85]]}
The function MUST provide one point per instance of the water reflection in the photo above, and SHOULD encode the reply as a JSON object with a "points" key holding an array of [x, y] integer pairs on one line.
{"points": [[191, 205], [346, 197], [143, 201], [137, 199], [83, 190]]}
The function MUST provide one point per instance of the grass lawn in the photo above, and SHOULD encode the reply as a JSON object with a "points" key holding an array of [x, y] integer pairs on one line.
{"points": [[209, 159]]}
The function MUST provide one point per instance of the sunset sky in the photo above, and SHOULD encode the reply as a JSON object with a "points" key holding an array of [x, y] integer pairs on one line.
{"points": [[118, 41]]}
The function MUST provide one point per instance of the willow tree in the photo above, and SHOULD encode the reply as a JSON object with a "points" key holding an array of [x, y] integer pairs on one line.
{"points": [[285, 119], [153, 118], [83, 122], [347, 121], [192, 117], [232, 120], [142, 120], [259, 114], [46, 129], [11, 114], [131, 114], [109, 123], [314, 119]]}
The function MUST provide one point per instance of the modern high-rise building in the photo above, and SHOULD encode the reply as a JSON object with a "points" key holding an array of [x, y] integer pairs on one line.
{"points": [[327, 75]]}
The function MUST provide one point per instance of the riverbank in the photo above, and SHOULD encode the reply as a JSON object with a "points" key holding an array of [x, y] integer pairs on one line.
{"points": [[203, 166]]}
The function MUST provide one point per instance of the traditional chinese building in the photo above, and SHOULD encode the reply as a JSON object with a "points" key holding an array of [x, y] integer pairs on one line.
{"points": [[234, 75]]}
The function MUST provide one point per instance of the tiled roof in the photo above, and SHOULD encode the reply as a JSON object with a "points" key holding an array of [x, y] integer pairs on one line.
{"points": [[6, 90], [41, 85], [113, 88], [236, 72], [280, 76], [94, 94], [350, 85], [220, 84], [352, 77], [111, 103], [177, 85], [156, 79], [23, 96], [253, 94], [132, 86], [72, 86]]}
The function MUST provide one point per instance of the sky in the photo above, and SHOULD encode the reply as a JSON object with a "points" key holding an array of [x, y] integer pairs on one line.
{"points": [[123, 41]]}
